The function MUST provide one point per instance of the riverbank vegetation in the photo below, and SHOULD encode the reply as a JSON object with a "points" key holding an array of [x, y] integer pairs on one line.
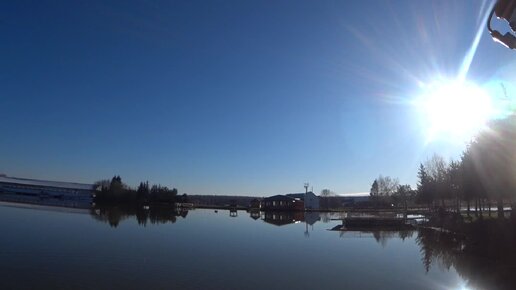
{"points": [[114, 191], [483, 178]]}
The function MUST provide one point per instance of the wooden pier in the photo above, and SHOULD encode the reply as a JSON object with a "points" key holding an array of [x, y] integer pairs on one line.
{"points": [[376, 222]]}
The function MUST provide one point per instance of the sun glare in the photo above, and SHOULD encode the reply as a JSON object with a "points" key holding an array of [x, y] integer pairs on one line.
{"points": [[454, 110]]}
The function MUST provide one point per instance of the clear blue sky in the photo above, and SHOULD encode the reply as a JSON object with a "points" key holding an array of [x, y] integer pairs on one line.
{"points": [[228, 97]]}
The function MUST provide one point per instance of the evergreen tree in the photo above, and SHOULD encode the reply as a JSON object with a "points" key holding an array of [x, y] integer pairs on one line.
{"points": [[374, 189], [424, 186]]}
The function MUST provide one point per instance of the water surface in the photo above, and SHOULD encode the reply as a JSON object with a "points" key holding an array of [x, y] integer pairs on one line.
{"points": [[202, 249]]}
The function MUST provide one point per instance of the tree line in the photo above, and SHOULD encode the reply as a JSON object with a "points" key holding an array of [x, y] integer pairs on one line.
{"points": [[115, 191], [484, 175], [386, 190]]}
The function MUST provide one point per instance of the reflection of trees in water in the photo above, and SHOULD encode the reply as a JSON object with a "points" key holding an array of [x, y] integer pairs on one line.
{"points": [[484, 255], [404, 234], [113, 215], [382, 236], [438, 247], [325, 217]]}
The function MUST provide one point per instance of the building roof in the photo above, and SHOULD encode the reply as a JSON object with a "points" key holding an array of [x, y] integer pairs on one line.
{"points": [[279, 197], [296, 195], [299, 195], [45, 183]]}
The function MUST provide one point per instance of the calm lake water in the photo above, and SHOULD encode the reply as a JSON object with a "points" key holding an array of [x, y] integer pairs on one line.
{"points": [[82, 249]]}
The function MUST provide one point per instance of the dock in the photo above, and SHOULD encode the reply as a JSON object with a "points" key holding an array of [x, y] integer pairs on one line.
{"points": [[374, 222], [377, 222]]}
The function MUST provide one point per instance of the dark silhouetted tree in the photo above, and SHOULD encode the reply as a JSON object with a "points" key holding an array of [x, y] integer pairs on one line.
{"points": [[374, 189], [437, 170], [425, 190], [403, 194]]}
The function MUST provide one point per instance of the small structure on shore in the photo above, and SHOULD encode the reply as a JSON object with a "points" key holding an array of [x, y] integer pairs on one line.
{"points": [[282, 202], [233, 213], [368, 221], [255, 204]]}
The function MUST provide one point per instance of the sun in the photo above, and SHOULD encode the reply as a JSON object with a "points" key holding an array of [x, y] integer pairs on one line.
{"points": [[454, 110]]}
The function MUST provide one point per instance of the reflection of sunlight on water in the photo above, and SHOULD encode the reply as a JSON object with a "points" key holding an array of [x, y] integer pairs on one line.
{"points": [[463, 286]]}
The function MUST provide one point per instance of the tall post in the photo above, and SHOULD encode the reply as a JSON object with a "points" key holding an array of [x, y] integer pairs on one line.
{"points": [[306, 193]]}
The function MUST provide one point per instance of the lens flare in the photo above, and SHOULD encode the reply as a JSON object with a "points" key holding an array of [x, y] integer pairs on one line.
{"points": [[454, 110]]}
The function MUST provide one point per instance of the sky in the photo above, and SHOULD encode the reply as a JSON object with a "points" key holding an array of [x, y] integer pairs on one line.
{"points": [[231, 97]]}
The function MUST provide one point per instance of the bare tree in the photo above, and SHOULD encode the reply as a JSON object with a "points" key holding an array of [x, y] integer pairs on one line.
{"points": [[326, 193], [437, 169], [387, 186]]}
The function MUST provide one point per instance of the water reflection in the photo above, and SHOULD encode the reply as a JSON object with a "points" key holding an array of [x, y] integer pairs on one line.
{"points": [[379, 234], [279, 218], [255, 214], [283, 218], [483, 254], [113, 215]]}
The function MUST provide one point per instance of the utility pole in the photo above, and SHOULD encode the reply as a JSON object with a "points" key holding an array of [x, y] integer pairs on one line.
{"points": [[306, 193]]}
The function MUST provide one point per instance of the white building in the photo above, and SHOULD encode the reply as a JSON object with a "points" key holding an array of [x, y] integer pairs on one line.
{"points": [[310, 199], [46, 189]]}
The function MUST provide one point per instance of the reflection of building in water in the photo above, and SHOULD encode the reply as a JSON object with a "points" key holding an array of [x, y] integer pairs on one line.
{"points": [[254, 214], [12, 188], [280, 218], [312, 217], [283, 218]]}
